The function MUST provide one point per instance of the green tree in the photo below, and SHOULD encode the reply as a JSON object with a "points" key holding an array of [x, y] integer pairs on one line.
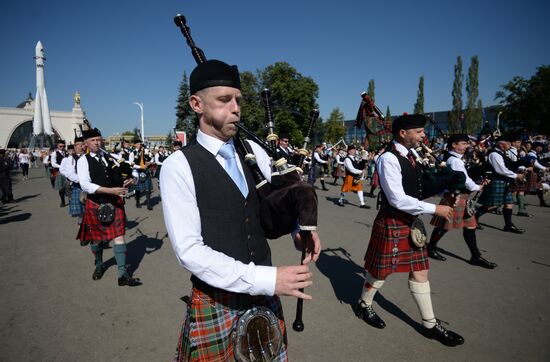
{"points": [[252, 113], [456, 112], [185, 117], [474, 112], [419, 105], [293, 96], [526, 103], [334, 126]]}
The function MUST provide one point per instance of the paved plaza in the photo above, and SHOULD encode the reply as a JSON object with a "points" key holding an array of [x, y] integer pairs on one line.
{"points": [[52, 310]]}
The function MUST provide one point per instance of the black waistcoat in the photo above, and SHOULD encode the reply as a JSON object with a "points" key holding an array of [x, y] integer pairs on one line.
{"points": [[411, 177], [103, 176], [162, 157], [230, 224], [59, 157]]}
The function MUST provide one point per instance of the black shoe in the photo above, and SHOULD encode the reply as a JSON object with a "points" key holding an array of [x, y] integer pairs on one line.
{"points": [[544, 204], [439, 333], [98, 272], [138, 205], [62, 204], [513, 229], [364, 207], [149, 207], [479, 227], [324, 189], [84, 242], [129, 281], [482, 262], [341, 202], [366, 313], [524, 214], [434, 254]]}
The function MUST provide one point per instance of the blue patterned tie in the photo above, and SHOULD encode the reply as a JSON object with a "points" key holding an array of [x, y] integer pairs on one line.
{"points": [[227, 151]]}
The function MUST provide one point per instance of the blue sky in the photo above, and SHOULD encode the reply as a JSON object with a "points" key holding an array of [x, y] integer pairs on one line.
{"points": [[118, 52]]}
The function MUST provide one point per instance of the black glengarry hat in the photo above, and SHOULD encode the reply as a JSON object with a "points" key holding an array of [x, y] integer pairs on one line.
{"points": [[459, 137], [91, 133], [214, 73], [408, 121]]}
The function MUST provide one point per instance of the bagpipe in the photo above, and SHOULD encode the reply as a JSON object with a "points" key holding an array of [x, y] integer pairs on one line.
{"points": [[287, 202]]}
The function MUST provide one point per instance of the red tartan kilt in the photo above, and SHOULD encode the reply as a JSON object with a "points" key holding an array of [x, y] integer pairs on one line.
{"points": [[375, 179], [460, 217], [517, 186], [54, 173], [533, 183], [389, 231], [350, 186], [92, 229]]}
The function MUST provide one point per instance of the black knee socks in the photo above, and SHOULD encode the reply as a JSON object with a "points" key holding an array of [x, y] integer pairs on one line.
{"points": [[437, 234], [62, 195], [471, 241], [507, 214]]}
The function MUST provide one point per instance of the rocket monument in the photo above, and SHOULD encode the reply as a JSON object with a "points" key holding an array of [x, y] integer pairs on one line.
{"points": [[41, 122]]}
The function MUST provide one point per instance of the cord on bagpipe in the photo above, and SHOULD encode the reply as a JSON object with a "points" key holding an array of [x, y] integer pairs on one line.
{"points": [[286, 203]]}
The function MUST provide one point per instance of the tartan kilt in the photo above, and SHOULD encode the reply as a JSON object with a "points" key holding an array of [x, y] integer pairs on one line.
{"points": [[92, 229], [338, 171], [144, 186], [460, 218], [532, 183], [210, 319], [496, 193], [391, 230], [348, 185], [517, 186], [60, 182], [76, 208]]}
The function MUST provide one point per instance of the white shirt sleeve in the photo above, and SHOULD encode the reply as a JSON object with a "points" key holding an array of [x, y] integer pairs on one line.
{"points": [[458, 165], [84, 176], [391, 182], [496, 160], [350, 168], [53, 160], [182, 219], [318, 158], [67, 169]]}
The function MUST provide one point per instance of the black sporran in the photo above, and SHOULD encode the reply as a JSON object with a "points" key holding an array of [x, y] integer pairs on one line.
{"points": [[106, 213]]}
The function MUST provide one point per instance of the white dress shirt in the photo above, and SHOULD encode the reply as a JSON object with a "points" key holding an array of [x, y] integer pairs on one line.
{"points": [[537, 164], [350, 168], [497, 161], [157, 160], [83, 172], [53, 159], [67, 169], [391, 182], [457, 163], [182, 219], [318, 158]]}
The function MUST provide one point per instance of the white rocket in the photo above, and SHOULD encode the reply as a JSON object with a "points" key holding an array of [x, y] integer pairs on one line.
{"points": [[42, 121]]}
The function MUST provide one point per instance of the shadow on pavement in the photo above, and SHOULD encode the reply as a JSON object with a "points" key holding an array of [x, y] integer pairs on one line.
{"points": [[346, 278], [23, 198], [15, 218], [140, 246]]}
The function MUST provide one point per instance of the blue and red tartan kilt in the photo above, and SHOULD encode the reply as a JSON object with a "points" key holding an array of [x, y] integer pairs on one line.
{"points": [[533, 183], [389, 231], [460, 218], [210, 320], [92, 229], [76, 208], [496, 193], [144, 186]]}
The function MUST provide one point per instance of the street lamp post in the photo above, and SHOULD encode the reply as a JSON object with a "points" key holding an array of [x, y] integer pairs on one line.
{"points": [[140, 105]]}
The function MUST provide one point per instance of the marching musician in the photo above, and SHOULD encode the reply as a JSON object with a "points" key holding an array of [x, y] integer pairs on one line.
{"points": [[160, 156], [211, 211], [141, 163], [390, 249], [97, 174], [498, 191], [69, 170], [316, 167], [518, 187], [457, 145], [534, 184], [177, 145], [338, 167], [353, 181], [60, 184]]}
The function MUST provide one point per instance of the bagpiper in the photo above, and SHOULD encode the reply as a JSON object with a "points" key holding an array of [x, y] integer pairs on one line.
{"points": [[69, 170], [60, 184], [141, 163], [391, 247], [463, 215], [353, 180]]}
